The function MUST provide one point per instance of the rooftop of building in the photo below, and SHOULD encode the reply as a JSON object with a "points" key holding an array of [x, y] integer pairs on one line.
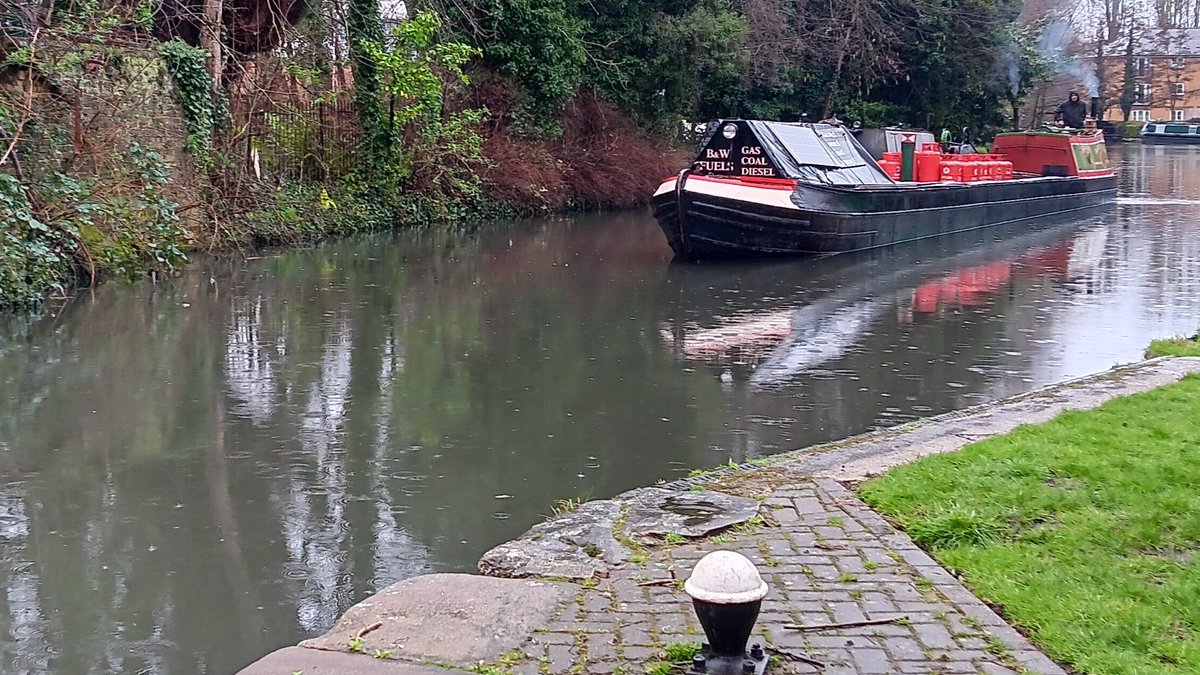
{"points": [[1159, 42]]}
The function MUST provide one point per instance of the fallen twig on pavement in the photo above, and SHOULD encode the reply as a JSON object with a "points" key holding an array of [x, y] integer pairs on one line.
{"points": [[368, 629], [795, 656], [847, 624]]}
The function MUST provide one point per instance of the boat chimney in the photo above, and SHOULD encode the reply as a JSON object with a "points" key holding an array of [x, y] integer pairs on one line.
{"points": [[1096, 107]]}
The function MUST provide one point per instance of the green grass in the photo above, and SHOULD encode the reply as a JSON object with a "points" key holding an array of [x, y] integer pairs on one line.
{"points": [[1084, 530], [562, 506], [677, 658], [681, 651], [1174, 347]]}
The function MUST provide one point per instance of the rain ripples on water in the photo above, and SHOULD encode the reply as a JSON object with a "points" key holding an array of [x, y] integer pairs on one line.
{"points": [[197, 473]]}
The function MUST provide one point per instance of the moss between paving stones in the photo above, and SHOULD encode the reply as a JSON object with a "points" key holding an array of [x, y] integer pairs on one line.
{"points": [[1084, 530]]}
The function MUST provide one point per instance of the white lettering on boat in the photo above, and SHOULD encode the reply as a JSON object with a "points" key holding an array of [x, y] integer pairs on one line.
{"points": [[713, 167], [723, 153]]}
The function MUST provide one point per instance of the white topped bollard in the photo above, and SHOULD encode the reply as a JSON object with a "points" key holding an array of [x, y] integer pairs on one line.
{"points": [[727, 592]]}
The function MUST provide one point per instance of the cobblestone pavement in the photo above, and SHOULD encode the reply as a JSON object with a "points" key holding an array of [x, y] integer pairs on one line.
{"points": [[828, 559]]}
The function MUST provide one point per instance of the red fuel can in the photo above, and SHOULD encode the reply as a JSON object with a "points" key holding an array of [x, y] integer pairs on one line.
{"points": [[929, 167]]}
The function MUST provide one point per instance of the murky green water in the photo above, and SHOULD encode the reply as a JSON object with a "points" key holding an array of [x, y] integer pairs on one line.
{"points": [[198, 472]]}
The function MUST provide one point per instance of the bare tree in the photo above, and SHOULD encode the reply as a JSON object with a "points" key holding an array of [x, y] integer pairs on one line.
{"points": [[210, 41]]}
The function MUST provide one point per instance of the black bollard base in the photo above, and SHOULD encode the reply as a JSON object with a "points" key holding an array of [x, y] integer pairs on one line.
{"points": [[753, 662]]}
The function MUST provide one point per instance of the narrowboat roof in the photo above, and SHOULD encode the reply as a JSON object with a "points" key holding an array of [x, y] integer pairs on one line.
{"points": [[1175, 128]]}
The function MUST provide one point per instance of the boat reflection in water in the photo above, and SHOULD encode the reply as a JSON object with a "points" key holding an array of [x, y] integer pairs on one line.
{"points": [[832, 303]]}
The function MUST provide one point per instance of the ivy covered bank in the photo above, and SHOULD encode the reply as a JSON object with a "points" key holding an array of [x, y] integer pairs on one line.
{"points": [[133, 132], [124, 149]]}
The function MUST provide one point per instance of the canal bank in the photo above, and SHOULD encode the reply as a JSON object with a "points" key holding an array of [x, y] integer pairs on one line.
{"points": [[848, 593]]}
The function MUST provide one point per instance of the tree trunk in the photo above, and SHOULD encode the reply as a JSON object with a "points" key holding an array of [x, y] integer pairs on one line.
{"points": [[210, 41], [1128, 87], [364, 29], [1112, 18], [1101, 72]]}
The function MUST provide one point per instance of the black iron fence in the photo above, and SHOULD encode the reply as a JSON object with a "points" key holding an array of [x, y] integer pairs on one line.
{"points": [[302, 141]]}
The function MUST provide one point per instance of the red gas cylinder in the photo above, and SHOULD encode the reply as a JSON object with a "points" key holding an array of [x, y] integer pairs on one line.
{"points": [[891, 168], [952, 168], [970, 169], [987, 167], [891, 164], [977, 172], [929, 167]]}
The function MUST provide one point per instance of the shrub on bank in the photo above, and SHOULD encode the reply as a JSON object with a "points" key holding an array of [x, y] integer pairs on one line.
{"points": [[596, 157], [62, 229], [1133, 129]]}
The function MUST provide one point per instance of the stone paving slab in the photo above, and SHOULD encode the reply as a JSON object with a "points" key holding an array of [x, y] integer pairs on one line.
{"points": [[454, 619], [316, 662], [827, 559]]}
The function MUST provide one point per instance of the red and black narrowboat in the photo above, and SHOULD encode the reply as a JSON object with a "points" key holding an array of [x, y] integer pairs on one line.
{"points": [[763, 188]]}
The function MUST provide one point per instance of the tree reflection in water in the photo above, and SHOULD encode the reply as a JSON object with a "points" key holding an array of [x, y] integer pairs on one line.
{"points": [[198, 472]]}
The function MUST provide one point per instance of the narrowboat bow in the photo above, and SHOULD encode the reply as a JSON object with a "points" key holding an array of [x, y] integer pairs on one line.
{"points": [[763, 188]]}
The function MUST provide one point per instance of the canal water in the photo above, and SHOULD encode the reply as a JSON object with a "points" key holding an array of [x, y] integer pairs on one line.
{"points": [[197, 472]]}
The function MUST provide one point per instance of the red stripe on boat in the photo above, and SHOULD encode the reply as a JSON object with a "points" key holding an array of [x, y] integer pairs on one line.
{"points": [[748, 181]]}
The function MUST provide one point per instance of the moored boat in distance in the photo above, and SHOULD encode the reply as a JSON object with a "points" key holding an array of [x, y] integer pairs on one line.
{"points": [[1171, 132], [762, 188]]}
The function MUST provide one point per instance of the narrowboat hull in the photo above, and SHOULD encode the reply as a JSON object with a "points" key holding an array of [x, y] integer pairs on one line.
{"points": [[1171, 133], [1171, 139], [707, 218]]}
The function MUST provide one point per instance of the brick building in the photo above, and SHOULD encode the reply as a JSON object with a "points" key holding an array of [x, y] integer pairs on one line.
{"points": [[1166, 75]]}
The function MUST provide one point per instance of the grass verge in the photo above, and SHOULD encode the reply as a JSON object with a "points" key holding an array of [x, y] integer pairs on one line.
{"points": [[1174, 347], [1084, 530]]}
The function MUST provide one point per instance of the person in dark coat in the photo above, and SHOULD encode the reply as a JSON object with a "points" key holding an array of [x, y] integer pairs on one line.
{"points": [[1072, 112]]}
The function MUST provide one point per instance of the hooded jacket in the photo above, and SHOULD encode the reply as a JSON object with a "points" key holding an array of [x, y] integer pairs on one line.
{"points": [[1071, 113]]}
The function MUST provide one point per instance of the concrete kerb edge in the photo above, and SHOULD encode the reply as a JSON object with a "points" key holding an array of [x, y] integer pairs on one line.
{"points": [[792, 460]]}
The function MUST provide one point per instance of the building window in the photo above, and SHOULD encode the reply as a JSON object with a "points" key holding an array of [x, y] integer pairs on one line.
{"points": [[1140, 115], [1143, 93], [1143, 67], [1176, 61], [1177, 88], [1176, 115]]}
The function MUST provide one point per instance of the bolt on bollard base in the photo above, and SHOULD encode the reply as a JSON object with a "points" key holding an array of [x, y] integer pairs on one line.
{"points": [[753, 662]]}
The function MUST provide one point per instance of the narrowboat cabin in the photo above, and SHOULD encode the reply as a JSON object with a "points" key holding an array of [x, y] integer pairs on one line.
{"points": [[1171, 132]]}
